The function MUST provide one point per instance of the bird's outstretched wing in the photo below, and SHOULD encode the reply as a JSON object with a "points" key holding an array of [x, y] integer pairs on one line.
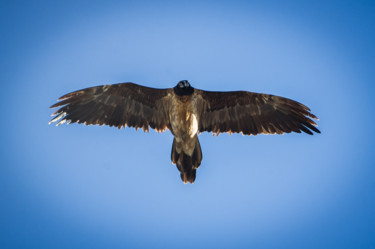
{"points": [[252, 113], [119, 105]]}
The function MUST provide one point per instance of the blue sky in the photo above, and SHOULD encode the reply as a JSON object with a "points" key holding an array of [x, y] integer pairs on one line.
{"points": [[76, 186]]}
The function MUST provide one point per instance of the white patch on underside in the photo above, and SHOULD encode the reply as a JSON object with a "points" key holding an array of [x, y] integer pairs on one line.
{"points": [[193, 127]]}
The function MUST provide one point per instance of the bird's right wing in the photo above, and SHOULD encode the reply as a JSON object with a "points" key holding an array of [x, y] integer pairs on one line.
{"points": [[119, 105]]}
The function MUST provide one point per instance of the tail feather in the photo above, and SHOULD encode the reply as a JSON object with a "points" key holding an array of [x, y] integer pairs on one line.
{"points": [[186, 164], [174, 154], [197, 155]]}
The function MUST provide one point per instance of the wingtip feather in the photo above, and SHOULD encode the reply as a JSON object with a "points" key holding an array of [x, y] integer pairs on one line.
{"points": [[69, 95], [61, 115]]}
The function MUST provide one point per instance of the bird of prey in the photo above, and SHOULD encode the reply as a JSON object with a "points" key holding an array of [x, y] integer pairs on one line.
{"points": [[185, 111]]}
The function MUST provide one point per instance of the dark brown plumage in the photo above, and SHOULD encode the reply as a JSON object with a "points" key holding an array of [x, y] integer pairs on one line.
{"points": [[185, 111], [253, 113]]}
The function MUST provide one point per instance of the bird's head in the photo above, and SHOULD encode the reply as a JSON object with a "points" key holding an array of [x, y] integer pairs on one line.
{"points": [[183, 88], [183, 84]]}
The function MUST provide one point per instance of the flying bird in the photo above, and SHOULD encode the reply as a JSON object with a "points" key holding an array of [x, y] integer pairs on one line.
{"points": [[185, 111]]}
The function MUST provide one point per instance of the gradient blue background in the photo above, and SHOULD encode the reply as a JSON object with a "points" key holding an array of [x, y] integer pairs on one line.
{"points": [[78, 186]]}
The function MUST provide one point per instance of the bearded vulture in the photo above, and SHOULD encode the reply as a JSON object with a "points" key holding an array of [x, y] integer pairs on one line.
{"points": [[184, 111]]}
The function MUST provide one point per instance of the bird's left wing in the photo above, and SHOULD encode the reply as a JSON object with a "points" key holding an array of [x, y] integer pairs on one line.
{"points": [[251, 113], [119, 105]]}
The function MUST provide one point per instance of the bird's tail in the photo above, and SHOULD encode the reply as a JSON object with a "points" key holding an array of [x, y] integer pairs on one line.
{"points": [[187, 164]]}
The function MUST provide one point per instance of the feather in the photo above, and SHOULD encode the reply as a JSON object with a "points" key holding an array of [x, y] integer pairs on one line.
{"points": [[119, 105], [252, 113]]}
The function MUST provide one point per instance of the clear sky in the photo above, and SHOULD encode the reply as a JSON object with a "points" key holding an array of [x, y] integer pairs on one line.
{"points": [[77, 186]]}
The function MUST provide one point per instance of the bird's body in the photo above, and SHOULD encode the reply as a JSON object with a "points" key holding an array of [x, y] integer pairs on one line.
{"points": [[183, 117], [184, 126], [185, 111]]}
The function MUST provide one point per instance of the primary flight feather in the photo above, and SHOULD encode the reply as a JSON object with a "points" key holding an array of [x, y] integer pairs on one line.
{"points": [[185, 111]]}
